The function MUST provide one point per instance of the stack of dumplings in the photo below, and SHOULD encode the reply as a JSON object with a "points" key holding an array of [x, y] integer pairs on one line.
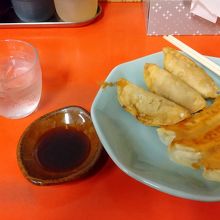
{"points": [[175, 92], [176, 101]]}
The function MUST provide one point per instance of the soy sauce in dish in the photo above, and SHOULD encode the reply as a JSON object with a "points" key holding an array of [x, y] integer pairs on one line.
{"points": [[62, 149]]}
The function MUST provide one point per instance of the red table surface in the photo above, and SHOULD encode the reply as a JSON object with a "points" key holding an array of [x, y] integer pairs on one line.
{"points": [[74, 62]]}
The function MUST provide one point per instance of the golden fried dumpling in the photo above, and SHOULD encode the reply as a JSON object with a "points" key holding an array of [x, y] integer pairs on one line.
{"points": [[194, 142], [188, 71], [147, 107], [171, 87]]}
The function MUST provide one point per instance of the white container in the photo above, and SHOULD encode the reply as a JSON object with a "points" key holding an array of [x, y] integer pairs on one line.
{"points": [[76, 10]]}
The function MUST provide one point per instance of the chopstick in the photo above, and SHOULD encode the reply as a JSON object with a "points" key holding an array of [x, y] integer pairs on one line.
{"points": [[194, 54]]}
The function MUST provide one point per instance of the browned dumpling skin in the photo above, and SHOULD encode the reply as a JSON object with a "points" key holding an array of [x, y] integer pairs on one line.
{"points": [[147, 107], [188, 71], [171, 87], [194, 142]]}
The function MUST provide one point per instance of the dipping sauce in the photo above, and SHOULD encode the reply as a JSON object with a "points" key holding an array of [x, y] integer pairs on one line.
{"points": [[62, 149]]}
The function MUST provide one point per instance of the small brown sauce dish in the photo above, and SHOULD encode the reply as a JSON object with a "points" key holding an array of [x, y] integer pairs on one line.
{"points": [[58, 147]]}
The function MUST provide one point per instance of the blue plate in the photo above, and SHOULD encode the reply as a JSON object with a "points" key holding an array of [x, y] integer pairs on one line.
{"points": [[136, 148]]}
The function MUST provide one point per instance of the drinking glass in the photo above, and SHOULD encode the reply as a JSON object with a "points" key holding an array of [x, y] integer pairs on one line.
{"points": [[20, 79]]}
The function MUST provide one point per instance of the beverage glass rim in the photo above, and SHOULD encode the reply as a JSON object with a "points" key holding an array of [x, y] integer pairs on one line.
{"points": [[30, 46]]}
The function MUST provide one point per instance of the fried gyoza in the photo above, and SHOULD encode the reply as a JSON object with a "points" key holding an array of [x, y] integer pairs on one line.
{"points": [[171, 87], [195, 142], [148, 107], [188, 71]]}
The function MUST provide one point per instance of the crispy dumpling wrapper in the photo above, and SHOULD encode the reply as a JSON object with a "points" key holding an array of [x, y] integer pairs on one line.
{"points": [[194, 142], [188, 71], [147, 107], [171, 87]]}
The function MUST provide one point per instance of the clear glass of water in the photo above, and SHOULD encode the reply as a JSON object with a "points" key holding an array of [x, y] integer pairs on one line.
{"points": [[20, 79]]}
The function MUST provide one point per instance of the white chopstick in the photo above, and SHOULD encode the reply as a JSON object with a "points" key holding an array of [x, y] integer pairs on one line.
{"points": [[194, 54]]}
